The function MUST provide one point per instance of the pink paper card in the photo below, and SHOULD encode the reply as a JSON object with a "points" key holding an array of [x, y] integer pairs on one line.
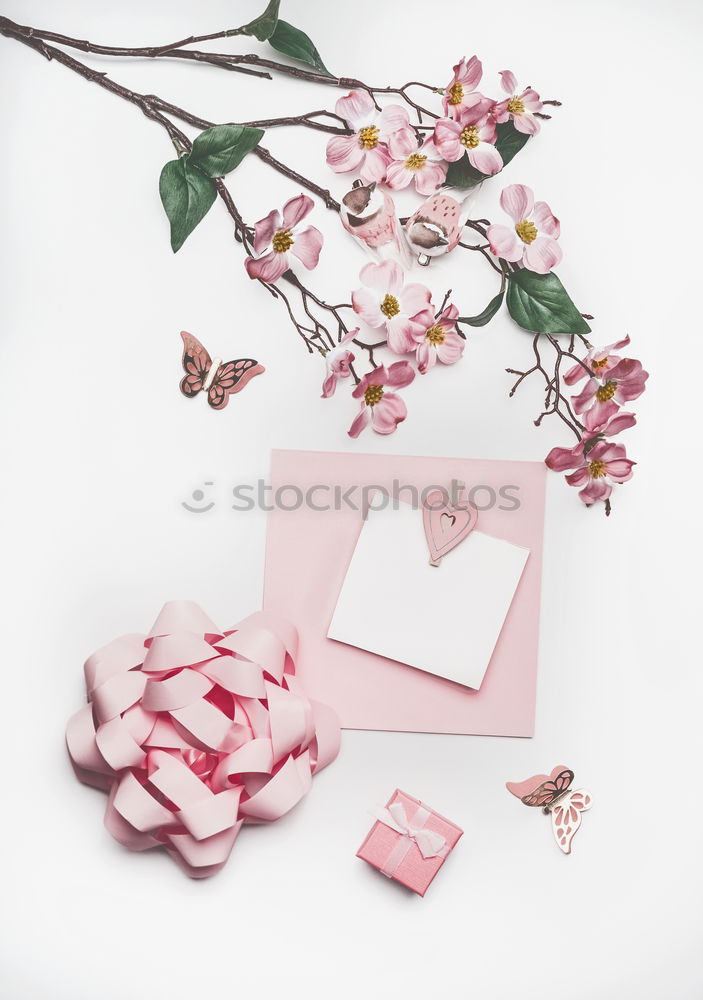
{"points": [[310, 546]]}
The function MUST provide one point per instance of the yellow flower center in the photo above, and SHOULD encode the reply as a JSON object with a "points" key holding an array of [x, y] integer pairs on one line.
{"points": [[415, 161], [516, 106], [599, 365], [368, 137], [606, 391], [527, 231], [435, 334], [456, 93], [469, 137], [373, 395], [390, 307], [282, 240], [597, 469]]}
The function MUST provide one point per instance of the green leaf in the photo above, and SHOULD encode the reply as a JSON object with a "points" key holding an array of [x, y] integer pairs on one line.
{"points": [[263, 26], [462, 175], [540, 303], [509, 142], [488, 313], [187, 197], [220, 149], [295, 43]]}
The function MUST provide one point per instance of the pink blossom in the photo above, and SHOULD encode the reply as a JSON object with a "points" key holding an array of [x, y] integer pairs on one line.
{"points": [[474, 133], [386, 302], [378, 137], [438, 338], [383, 410], [284, 238], [614, 420], [560, 459], [596, 470], [624, 382], [599, 361], [608, 421], [520, 107], [533, 238], [425, 168], [338, 362], [460, 92], [597, 463]]}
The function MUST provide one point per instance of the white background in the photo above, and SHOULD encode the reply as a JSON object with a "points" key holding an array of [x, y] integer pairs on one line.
{"points": [[99, 450]]}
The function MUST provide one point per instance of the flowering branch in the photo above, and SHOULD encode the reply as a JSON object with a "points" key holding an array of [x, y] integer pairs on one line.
{"points": [[469, 139]]}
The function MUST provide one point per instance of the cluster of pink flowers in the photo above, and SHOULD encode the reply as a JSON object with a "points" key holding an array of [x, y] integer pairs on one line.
{"points": [[386, 147], [412, 324], [597, 462]]}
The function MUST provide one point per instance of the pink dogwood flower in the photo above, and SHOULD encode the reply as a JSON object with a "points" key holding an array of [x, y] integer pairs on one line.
{"points": [[460, 92], [610, 420], [596, 470], [386, 301], [600, 361], [338, 362], [473, 133], [533, 238], [424, 167], [438, 338], [624, 382], [378, 137], [284, 238], [383, 410], [614, 420], [520, 107]]}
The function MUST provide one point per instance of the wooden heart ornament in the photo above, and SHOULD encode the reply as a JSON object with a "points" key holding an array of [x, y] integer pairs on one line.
{"points": [[446, 525]]}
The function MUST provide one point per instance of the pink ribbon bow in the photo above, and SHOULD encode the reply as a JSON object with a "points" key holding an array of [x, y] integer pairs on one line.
{"points": [[430, 843], [194, 731]]}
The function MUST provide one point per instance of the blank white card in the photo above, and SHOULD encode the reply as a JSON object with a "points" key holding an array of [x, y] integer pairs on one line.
{"points": [[446, 619]]}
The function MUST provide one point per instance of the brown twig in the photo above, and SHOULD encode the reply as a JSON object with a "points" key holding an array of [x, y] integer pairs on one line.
{"points": [[321, 192], [555, 402], [240, 62], [370, 348], [307, 120], [484, 251], [444, 302], [151, 105]]}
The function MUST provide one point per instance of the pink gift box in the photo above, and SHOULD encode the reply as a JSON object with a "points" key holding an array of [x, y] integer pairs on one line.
{"points": [[409, 842]]}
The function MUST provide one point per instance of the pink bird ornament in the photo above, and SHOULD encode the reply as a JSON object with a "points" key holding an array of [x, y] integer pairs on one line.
{"points": [[435, 228], [369, 216]]}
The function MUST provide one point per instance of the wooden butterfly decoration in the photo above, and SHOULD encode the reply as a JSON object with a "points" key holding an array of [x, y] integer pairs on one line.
{"points": [[217, 378], [553, 793]]}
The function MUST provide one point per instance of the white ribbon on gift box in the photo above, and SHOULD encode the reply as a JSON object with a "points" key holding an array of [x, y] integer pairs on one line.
{"points": [[430, 843]]}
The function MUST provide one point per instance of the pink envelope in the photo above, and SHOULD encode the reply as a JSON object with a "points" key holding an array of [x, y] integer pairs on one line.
{"points": [[307, 554]]}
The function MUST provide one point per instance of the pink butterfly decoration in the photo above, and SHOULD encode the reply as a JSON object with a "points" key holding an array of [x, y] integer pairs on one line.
{"points": [[446, 525], [218, 379], [553, 793]]}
